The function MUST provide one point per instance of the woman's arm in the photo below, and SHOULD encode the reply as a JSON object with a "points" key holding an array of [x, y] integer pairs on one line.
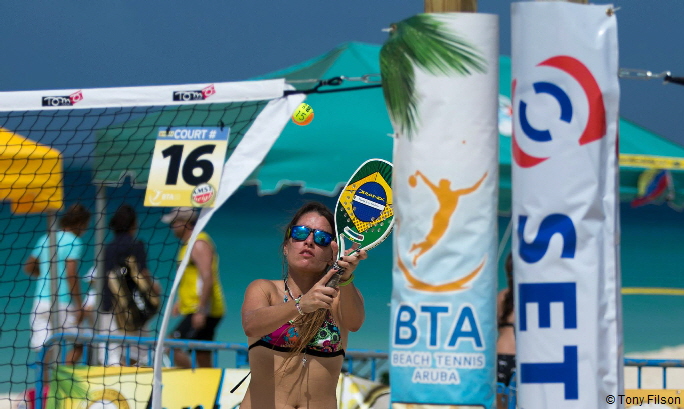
{"points": [[350, 307], [74, 287], [202, 256], [259, 317], [31, 267]]}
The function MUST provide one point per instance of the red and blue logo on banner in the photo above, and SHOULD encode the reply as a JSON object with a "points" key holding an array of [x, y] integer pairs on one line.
{"points": [[596, 123]]}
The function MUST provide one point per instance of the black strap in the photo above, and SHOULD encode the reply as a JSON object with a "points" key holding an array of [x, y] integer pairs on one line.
{"points": [[307, 350], [240, 383]]}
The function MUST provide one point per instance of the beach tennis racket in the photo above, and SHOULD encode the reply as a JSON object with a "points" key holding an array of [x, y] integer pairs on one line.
{"points": [[364, 212]]}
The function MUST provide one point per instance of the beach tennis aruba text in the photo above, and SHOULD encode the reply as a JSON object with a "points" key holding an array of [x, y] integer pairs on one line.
{"points": [[643, 400]]}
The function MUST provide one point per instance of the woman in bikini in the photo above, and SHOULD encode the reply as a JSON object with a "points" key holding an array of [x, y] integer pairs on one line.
{"points": [[295, 358]]}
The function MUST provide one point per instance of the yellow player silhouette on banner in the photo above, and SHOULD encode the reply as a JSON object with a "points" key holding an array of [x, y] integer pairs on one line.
{"points": [[447, 200]]}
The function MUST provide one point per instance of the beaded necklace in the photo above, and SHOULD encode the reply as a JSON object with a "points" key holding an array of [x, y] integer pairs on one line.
{"points": [[291, 322]]}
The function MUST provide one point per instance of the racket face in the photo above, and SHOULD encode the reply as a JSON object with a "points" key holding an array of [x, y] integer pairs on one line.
{"points": [[364, 211]]}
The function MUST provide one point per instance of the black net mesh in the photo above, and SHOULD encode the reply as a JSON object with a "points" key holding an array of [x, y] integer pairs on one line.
{"points": [[79, 155]]}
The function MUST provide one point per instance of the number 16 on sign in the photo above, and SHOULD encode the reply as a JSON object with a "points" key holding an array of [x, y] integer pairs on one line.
{"points": [[186, 166]]}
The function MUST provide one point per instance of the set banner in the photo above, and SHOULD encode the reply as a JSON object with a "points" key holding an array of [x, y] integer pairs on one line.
{"points": [[564, 174], [440, 79]]}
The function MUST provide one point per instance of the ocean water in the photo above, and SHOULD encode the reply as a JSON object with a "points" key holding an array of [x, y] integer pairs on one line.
{"points": [[248, 231]]}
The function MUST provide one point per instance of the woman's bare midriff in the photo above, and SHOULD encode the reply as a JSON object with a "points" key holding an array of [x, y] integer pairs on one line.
{"points": [[310, 385]]}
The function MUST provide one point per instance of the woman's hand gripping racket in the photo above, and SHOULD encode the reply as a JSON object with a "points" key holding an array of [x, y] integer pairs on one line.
{"points": [[364, 212]]}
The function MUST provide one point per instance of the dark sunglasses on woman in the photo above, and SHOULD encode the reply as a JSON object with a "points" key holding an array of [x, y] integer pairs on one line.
{"points": [[320, 237]]}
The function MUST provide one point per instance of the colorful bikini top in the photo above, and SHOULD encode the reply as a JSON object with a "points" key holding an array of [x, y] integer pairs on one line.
{"points": [[326, 343]]}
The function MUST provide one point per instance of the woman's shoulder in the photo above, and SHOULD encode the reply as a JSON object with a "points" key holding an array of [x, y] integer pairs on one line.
{"points": [[263, 289], [264, 284]]}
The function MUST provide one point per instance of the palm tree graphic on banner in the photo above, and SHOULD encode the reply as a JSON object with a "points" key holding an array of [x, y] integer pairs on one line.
{"points": [[426, 42]]}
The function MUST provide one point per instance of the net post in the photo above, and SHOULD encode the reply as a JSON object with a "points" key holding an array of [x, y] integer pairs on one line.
{"points": [[54, 285], [54, 290], [100, 229]]}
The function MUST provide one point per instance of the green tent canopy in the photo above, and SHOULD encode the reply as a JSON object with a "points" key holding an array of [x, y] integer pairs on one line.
{"points": [[348, 128]]}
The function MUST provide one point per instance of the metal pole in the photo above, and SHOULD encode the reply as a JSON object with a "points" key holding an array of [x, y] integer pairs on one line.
{"points": [[54, 275], [100, 229], [50, 354]]}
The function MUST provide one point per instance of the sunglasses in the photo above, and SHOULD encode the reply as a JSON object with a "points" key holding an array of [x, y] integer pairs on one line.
{"points": [[320, 237]]}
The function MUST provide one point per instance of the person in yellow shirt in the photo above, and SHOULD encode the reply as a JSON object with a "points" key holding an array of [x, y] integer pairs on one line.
{"points": [[200, 297]]}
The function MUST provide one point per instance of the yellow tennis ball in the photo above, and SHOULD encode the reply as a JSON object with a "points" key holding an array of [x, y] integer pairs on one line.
{"points": [[303, 115]]}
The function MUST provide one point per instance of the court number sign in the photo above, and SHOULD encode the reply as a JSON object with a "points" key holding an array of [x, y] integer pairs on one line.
{"points": [[186, 166]]}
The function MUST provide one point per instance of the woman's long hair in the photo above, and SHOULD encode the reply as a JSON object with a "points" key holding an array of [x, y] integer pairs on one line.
{"points": [[508, 298], [309, 324]]}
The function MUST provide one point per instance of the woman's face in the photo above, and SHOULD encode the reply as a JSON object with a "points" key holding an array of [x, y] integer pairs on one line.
{"points": [[306, 256]]}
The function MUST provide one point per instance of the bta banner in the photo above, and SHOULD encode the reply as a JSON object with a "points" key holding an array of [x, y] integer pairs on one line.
{"points": [[440, 79], [565, 253]]}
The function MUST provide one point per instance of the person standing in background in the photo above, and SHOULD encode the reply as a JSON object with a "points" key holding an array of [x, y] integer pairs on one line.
{"points": [[70, 311], [200, 296], [120, 252]]}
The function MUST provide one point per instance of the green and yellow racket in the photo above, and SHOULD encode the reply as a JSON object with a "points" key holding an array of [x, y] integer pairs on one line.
{"points": [[364, 212]]}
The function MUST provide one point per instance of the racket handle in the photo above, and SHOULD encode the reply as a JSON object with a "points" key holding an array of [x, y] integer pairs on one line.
{"points": [[335, 280]]}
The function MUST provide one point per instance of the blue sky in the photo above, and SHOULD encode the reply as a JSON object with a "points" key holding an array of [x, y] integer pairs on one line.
{"points": [[84, 44]]}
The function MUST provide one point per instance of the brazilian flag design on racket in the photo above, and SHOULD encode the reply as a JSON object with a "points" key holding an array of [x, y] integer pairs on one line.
{"points": [[364, 213]]}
